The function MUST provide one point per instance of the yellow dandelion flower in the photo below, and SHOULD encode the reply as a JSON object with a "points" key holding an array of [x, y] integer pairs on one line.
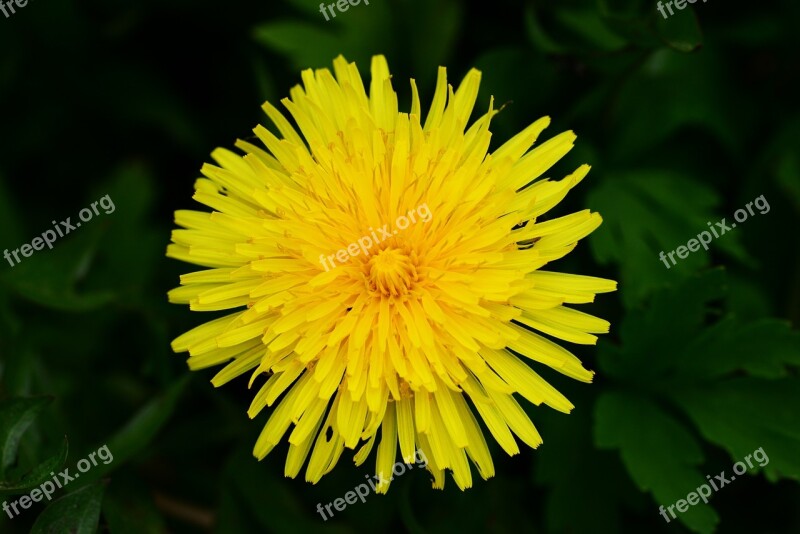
{"points": [[371, 327]]}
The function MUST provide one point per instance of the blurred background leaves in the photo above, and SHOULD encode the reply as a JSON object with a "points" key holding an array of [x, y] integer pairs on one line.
{"points": [[684, 121]]}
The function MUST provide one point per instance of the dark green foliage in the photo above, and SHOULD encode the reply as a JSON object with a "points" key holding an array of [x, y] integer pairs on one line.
{"points": [[683, 120]]}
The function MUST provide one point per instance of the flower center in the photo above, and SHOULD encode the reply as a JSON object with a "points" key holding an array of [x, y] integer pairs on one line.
{"points": [[391, 272]]}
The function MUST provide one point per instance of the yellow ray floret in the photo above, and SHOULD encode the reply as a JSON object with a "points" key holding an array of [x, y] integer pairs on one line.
{"points": [[384, 275]]}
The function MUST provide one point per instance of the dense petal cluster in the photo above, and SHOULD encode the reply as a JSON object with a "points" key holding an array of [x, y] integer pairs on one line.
{"points": [[410, 342]]}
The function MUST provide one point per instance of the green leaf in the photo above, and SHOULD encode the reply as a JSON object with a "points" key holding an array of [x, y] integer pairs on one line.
{"points": [[671, 351], [305, 44], [669, 341], [158, 106], [274, 505], [64, 278], [745, 414], [622, 8], [590, 27], [523, 81], [130, 245], [41, 472], [357, 34], [747, 300], [76, 513], [140, 431], [144, 426], [574, 471], [537, 34], [652, 339], [675, 91], [659, 453], [51, 278], [430, 33], [16, 415], [680, 31], [765, 348], [423, 34], [647, 212], [633, 20]]}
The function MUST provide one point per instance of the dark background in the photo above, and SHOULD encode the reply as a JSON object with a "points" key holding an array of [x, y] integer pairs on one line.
{"points": [[684, 121]]}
